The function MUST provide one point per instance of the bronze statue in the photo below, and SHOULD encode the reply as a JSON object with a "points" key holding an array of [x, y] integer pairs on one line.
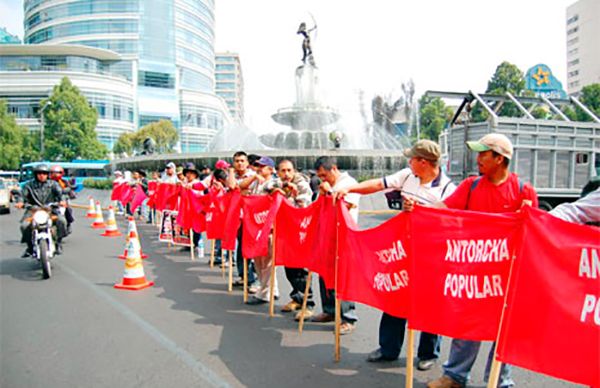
{"points": [[306, 48]]}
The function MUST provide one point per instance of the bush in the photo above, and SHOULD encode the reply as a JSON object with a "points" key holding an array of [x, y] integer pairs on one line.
{"points": [[100, 184]]}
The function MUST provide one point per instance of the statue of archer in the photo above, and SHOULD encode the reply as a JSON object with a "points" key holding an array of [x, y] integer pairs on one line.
{"points": [[306, 48]]}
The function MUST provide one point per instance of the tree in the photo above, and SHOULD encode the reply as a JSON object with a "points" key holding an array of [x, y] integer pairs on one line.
{"points": [[434, 116], [12, 137], [506, 78], [70, 125], [162, 132], [590, 97]]}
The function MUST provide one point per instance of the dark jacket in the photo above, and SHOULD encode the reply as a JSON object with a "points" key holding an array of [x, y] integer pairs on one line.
{"points": [[36, 193]]}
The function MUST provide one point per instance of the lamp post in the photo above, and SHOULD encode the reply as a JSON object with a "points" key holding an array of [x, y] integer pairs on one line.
{"points": [[47, 104]]}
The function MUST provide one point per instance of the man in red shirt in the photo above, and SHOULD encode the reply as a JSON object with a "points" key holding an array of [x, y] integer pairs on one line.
{"points": [[496, 190]]}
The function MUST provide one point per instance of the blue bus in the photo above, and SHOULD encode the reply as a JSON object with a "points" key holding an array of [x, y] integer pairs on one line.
{"points": [[77, 170]]}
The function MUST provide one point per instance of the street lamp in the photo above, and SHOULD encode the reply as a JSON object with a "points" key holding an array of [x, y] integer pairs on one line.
{"points": [[47, 104]]}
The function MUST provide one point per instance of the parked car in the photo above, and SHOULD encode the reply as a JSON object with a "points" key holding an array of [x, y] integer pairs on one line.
{"points": [[13, 188], [4, 198]]}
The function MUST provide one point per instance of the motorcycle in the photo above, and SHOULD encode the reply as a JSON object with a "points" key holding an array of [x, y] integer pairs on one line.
{"points": [[43, 237]]}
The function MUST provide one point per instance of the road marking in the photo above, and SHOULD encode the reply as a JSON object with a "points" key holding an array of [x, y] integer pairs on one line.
{"points": [[203, 371]]}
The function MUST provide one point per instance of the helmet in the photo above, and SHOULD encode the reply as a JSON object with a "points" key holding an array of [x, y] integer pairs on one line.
{"points": [[57, 169], [41, 168]]}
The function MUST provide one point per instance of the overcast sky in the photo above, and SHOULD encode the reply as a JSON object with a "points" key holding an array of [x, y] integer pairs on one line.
{"points": [[376, 45]]}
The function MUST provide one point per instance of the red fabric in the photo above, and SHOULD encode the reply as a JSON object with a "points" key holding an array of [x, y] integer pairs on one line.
{"points": [[256, 211], [190, 214], [461, 261], [166, 196], [138, 197], [552, 324], [487, 197], [216, 213], [117, 191], [374, 266], [152, 187], [232, 220], [126, 194]]}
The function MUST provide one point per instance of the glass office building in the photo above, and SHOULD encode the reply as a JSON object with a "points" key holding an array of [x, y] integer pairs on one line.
{"points": [[166, 49]]}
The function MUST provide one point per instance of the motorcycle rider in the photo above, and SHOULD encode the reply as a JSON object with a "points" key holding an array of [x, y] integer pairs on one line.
{"points": [[40, 192], [56, 174]]}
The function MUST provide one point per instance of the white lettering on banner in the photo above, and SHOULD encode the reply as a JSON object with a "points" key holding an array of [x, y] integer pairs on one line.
{"points": [[469, 286], [209, 216], [591, 304], [261, 218], [390, 282], [477, 251], [589, 264], [306, 222], [258, 235], [304, 225], [393, 254], [302, 237]]}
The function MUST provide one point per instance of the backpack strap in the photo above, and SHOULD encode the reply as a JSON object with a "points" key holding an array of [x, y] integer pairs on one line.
{"points": [[473, 186]]}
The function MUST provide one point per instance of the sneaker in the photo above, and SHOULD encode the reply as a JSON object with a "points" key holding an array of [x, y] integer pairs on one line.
{"points": [[444, 382], [253, 289], [346, 328], [426, 364], [239, 283], [292, 306], [323, 318], [27, 253], [256, 301], [377, 356], [307, 314]]}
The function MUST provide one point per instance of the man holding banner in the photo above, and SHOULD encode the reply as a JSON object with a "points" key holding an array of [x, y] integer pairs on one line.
{"points": [[425, 183], [496, 190]]}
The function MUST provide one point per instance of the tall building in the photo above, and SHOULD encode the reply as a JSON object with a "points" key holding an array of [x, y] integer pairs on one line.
{"points": [[7, 38], [166, 50], [230, 83], [583, 49]]}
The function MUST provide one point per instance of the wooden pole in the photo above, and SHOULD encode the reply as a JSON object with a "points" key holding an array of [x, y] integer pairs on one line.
{"points": [[338, 311], [222, 264], [272, 280], [494, 372], [410, 359], [192, 244], [245, 279], [212, 254], [230, 286], [304, 302]]}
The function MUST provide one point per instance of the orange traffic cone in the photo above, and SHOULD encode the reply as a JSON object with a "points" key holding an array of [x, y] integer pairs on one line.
{"points": [[132, 228], [99, 221], [91, 213], [133, 277], [111, 225]]}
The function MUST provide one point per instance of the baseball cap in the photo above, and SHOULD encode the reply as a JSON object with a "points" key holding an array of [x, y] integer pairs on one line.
{"points": [[118, 173], [170, 165], [266, 161], [426, 149], [222, 165], [495, 142]]}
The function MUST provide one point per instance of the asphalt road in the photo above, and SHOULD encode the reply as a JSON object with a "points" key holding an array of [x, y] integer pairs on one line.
{"points": [[76, 330]]}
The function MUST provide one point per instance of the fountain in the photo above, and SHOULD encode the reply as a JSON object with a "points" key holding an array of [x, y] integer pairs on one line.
{"points": [[315, 129]]}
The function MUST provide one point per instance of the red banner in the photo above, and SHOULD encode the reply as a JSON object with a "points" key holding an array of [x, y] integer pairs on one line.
{"points": [[232, 220], [461, 261], [216, 214], [552, 322], [117, 191], [256, 211], [373, 265], [166, 196], [138, 197], [190, 215]]}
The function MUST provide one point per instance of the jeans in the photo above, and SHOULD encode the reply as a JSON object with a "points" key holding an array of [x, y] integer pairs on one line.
{"points": [[391, 338], [328, 304], [239, 260], [297, 278], [462, 357]]}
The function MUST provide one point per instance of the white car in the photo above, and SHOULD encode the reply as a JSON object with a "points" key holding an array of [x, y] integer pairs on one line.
{"points": [[4, 197]]}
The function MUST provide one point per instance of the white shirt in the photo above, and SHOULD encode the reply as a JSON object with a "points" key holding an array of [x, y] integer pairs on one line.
{"points": [[586, 209], [425, 194], [345, 181]]}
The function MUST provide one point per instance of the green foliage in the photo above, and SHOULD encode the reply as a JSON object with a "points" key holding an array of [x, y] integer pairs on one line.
{"points": [[162, 132], [99, 184], [590, 97], [70, 125], [506, 78], [17, 144], [434, 116]]}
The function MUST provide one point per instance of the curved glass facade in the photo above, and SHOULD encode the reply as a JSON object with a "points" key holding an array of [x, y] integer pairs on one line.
{"points": [[56, 63], [169, 44]]}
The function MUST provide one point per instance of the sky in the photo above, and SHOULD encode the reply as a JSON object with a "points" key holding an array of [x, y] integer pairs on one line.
{"points": [[376, 45]]}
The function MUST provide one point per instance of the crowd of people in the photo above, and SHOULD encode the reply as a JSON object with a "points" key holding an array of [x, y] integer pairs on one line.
{"points": [[423, 182]]}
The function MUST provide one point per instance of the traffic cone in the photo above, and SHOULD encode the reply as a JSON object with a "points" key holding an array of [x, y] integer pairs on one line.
{"points": [[132, 228], [111, 225], [91, 213], [99, 221], [133, 277]]}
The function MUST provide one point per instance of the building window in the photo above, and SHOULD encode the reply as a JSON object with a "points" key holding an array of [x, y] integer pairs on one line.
{"points": [[155, 79], [573, 51], [573, 30], [572, 19], [581, 158], [573, 73], [225, 67], [573, 62], [571, 42]]}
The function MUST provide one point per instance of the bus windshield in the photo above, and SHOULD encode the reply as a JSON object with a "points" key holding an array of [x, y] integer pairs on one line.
{"points": [[76, 171]]}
